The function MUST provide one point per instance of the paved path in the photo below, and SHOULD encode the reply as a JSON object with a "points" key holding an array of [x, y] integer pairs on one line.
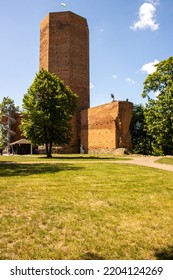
{"points": [[149, 161]]}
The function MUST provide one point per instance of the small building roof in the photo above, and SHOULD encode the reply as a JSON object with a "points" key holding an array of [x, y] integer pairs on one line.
{"points": [[21, 141]]}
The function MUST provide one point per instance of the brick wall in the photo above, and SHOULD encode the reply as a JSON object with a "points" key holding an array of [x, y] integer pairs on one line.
{"points": [[64, 51], [105, 128], [17, 129], [44, 43]]}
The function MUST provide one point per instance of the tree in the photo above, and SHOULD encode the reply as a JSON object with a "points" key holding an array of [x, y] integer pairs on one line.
{"points": [[3, 136], [159, 111], [141, 142], [48, 108], [8, 112]]}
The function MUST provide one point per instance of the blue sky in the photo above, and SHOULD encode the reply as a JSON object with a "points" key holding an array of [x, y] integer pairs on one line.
{"points": [[126, 38]]}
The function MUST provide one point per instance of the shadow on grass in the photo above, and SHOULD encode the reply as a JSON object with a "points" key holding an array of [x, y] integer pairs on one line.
{"points": [[83, 158], [165, 254], [12, 169], [61, 157], [91, 256]]}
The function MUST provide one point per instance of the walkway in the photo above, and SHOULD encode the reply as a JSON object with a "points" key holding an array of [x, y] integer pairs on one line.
{"points": [[149, 161]]}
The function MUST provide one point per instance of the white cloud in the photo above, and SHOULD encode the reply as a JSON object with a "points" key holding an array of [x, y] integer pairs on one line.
{"points": [[130, 81], [114, 76], [154, 2], [91, 86], [63, 5], [150, 67], [146, 14]]}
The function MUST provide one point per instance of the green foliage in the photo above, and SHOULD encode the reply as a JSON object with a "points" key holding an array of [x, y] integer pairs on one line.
{"points": [[48, 108], [7, 109], [159, 111], [161, 80], [141, 142], [3, 136]]}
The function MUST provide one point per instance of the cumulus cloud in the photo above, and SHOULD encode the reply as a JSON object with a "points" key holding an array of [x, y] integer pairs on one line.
{"points": [[146, 17], [91, 86], [154, 2], [130, 81], [150, 67]]}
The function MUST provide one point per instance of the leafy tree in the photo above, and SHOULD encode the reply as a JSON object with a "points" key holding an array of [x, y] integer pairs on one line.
{"points": [[7, 118], [3, 136], [141, 142], [8, 107], [48, 108], [159, 111]]}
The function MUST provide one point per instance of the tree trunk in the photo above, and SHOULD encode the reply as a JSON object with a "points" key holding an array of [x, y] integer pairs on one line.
{"points": [[49, 150]]}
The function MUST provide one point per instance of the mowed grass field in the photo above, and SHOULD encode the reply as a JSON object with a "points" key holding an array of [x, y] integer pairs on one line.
{"points": [[84, 208]]}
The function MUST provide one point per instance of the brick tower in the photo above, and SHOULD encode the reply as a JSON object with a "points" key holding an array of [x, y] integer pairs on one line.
{"points": [[64, 51]]}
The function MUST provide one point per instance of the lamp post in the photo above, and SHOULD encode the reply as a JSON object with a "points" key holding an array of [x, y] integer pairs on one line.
{"points": [[113, 97]]}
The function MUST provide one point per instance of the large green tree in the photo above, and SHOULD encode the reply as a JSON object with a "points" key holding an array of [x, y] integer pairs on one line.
{"points": [[141, 141], [159, 110], [48, 107]]}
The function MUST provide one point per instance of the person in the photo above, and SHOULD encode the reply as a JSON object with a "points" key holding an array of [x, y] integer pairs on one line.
{"points": [[82, 151]]}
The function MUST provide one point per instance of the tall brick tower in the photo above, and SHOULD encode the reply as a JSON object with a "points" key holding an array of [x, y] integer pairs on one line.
{"points": [[64, 51]]}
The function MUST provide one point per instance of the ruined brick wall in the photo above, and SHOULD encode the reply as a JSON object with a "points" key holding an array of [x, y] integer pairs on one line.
{"points": [[16, 128], [64, 51], [105, 128]]}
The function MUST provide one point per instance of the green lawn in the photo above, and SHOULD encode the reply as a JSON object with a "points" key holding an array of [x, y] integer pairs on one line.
{"points": [[84, 210], [59, 157], [166, 160]]}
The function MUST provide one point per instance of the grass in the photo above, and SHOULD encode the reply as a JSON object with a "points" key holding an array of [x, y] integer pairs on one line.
{"points": [[84, 210], [59, 157], [166, 160]]}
